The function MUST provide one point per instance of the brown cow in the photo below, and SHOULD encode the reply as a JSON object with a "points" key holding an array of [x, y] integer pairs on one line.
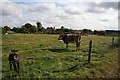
{"points": [[71, 38], [14, 60]]}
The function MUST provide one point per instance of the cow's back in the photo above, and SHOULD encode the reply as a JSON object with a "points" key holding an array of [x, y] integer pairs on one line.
{"points": [[71, 38]]}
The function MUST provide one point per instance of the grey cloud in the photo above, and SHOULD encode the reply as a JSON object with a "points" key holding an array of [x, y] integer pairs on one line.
{"points": [[104, 20], [72, 12], [40, 7], [93, 10], [10, 13], [74, 8], [119, 5], [118, 14], [65, 17], [119, 17], [105, 5], [97, 8], [5, 13], [10, 9]]}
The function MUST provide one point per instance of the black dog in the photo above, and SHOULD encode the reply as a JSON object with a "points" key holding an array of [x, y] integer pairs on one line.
{"points": [[14, 60]]}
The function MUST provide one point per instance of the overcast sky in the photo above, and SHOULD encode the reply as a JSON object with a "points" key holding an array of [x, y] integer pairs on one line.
{"points": [[74, 14]]}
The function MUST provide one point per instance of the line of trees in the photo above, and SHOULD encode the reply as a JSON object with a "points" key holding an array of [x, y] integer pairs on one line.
{"points": [[29, 28]]}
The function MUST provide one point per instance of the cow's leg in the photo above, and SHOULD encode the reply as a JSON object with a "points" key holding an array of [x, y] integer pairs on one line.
{"points": [[77, 46], [67, 45]]}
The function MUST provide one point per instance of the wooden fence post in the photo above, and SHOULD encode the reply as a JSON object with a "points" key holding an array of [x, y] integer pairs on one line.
{"points": [[89, 54], [112, 41]]}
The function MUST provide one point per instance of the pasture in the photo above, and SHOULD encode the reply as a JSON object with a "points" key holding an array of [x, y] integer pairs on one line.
{"points": [[43, 56]]}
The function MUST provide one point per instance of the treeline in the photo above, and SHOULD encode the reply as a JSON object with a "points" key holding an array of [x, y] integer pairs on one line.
{"points": [[30, 29]]}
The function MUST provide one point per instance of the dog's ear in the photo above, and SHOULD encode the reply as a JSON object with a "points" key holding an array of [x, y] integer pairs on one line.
{"points": [[14, 50]]}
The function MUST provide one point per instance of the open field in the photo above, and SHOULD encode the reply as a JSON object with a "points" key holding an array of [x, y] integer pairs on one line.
{"points": [[50, 59]]}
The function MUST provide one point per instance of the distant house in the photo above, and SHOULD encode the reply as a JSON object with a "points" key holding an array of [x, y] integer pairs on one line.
{"points": [[9, 32], [50, 30]]}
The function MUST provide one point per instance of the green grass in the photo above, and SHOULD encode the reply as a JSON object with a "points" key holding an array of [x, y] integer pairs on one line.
{"points": [[52, 60]]}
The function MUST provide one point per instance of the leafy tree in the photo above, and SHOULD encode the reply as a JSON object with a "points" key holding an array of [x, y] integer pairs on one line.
{"points": [[33, 29], [62, 29], [87, 31], [24, 29], [6, 28], [43, 30], [3, 31], [28, 28], [58, 31], [99, 32], [67, 30], [39, 26], [14, 29]]}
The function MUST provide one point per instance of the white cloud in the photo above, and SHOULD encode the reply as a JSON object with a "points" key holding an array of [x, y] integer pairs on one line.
{"points": [[64, 0], [10, 9], [72, 15]]}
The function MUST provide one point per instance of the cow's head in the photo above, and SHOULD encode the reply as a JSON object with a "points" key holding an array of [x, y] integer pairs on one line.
{"points": [[60, 36]]}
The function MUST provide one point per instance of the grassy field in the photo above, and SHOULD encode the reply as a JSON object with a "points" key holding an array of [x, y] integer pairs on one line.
{"points": [[50, 58]]}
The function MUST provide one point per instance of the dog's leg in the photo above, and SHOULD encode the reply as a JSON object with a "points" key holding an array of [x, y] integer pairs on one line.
{"points": [[18, 67], [10, 66], [15, 68]]}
